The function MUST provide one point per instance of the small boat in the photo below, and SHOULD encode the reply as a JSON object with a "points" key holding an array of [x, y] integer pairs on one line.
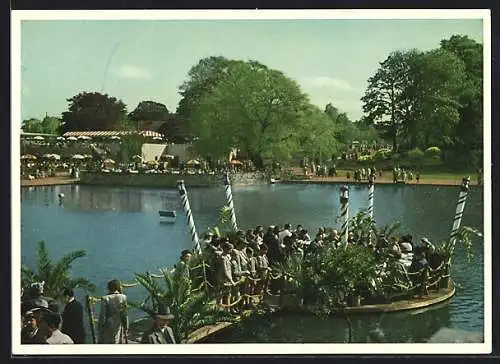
{"points": [[165, 213], [274, 180]]}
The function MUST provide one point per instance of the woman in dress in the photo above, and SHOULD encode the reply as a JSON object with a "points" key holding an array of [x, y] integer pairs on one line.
{"points": [[113, 317]]}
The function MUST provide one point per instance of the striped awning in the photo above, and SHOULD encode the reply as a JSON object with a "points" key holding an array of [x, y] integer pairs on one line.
{"points": [[110, 133]]}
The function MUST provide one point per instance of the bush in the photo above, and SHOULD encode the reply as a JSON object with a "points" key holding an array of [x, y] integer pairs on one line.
{"points": [[365, 158], [383, 154], [432, 152]]}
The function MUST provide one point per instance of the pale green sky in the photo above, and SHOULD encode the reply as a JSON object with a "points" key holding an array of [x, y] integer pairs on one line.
{"points": [[331, 59]]}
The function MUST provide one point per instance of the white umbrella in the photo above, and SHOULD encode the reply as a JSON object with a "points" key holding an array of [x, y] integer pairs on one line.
{"points": [[84, 137], [60, 138], [157, 138], [52, 156], [115, 137], [71, 138], [78, 156], [109, 161], [38, 137]]}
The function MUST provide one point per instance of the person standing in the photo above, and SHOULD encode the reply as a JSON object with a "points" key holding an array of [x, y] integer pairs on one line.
{"points": [[113, 317], [72, 318], [161, 332], [50, 324]]}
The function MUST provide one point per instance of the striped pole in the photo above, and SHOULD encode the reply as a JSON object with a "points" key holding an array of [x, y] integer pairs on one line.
{"points": [[371, 184], [344, 213], [229, 199], [462, 197], [189, 216]]}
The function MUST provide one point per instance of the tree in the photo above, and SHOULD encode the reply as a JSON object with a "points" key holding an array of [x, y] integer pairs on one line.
{"points": [[469, 130], [56, 275], [254, 108], [51, 125], [149, 111], [384, 99], [202, 79], [32, 126], [93, 111], [432, 99], [131, 145]]}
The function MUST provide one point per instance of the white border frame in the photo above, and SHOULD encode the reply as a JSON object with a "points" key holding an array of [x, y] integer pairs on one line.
{"points": [[18, 349]]}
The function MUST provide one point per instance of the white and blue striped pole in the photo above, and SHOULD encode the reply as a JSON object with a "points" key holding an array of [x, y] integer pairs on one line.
{"points": [[462, 197], [189, 216], [344, 213], [229, 199], [371, 192]]}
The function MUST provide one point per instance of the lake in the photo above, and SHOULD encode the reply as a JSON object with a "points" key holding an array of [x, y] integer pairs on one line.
{"points": [[121, 231]]}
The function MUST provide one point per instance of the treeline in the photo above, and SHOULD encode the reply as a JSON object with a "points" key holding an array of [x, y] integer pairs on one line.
{"points": [[415, 100], [431, 99]]}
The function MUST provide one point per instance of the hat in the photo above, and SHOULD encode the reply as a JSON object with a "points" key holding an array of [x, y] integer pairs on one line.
{"points": [[32, 311], [164, 313]]}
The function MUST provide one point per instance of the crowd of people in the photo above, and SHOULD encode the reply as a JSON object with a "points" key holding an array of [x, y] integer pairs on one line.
{"points": [[254, 254]]}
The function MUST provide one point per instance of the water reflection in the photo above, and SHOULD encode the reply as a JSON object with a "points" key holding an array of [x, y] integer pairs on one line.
{"points": [[416, 327]]}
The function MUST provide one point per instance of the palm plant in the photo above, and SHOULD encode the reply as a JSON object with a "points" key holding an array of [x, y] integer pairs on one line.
{"points": [[56, 275], [191, 307]]}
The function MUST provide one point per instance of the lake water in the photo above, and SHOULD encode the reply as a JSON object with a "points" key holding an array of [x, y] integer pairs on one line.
{"points": [[121, 231]]}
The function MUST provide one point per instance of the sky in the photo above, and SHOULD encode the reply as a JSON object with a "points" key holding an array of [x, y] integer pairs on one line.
{"points": [[135, 60]]}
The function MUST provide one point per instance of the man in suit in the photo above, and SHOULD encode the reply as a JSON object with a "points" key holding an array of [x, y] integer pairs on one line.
{"points": [[72, 318], [161, 332]]}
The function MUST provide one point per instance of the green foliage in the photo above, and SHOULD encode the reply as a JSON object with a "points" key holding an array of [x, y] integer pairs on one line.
{"points": [[464, 235], [57, 275], [430, 98], [49, 125], [93, 111], [383, 154], [257, 108], [131, 145], [432, 152], [191, 307]]}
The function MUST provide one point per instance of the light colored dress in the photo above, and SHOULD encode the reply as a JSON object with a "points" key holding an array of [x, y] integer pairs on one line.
{"points": [[113, 319]]}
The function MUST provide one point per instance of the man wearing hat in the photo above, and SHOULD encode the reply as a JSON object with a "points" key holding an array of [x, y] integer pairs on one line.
{"points": [[31, 333], [161, 332]]}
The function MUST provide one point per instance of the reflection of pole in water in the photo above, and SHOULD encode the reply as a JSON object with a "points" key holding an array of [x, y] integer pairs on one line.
{"points": [[229, 199]]}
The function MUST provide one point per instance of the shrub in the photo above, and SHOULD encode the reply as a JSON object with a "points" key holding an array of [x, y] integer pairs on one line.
{"points": [[383, 154], [432, 152]]}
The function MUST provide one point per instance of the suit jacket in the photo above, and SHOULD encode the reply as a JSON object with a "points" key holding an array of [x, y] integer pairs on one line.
{"points": [[155, 336], [72, 322]]}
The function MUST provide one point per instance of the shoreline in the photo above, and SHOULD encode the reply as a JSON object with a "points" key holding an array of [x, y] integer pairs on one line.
{"points": [[55, 181], [381, 181]]}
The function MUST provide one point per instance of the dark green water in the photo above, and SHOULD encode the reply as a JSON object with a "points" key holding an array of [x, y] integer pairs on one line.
{"points": [[121, 231]]}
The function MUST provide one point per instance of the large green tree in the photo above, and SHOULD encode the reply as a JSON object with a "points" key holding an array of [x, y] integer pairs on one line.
{"points": [[469, 130], [202, 78], [254, 108], [93, 111], [384, 101]]}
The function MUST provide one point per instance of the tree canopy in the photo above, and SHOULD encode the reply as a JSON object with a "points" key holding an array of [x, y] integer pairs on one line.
{"points": [[432, 98], [254, 108], [149, 111], [49, 125], [93, 111]]}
